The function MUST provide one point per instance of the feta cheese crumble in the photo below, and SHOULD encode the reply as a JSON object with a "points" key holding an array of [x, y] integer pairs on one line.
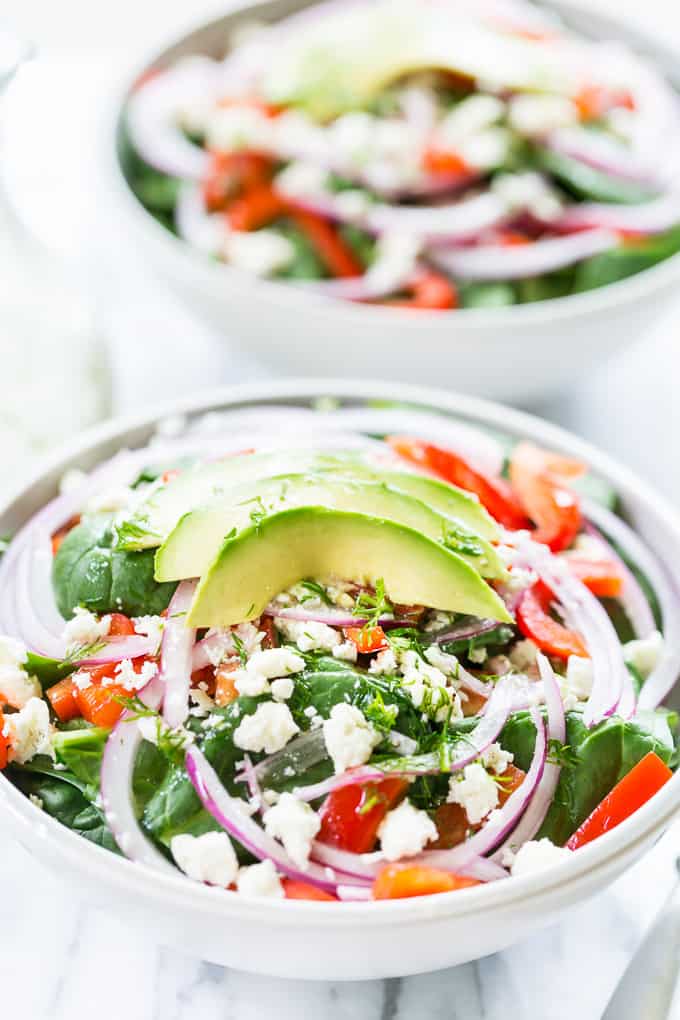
{"points": [[405, 831], [260, 881], [84, 629], [309, 635], [268, 729], [295, 824], [208, 858], [16, 686], [349, 737], [29, 731], [476, 791], [644, 653], [537, 855], [497, 759]]}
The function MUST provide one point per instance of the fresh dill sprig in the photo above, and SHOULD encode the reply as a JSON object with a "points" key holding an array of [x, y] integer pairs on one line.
{"points": [[561, 754], [315, 590], [373, 605], [240, 648]]}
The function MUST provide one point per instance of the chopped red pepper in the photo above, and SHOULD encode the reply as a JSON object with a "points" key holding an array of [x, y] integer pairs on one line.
{"points": [[630, 793], [63, 699], [494, 493], [446, 162], [429, 290], [231, 174], [367, 639], [336, 255], [537, 477], [257, 208], [398, 881], [603, 578], [295, 890], [534, 621], [120, 625], [351, 816], [4, 743]]}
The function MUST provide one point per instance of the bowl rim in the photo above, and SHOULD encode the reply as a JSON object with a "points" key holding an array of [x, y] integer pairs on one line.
{"points": [[211, 275], [594, 859]]}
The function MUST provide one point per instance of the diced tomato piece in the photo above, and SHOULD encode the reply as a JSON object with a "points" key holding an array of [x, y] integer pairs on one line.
{"points": [[367, 639], [231, 174], [594, 101], [335, 253], [258, 208], [493, 493], [120, 625], [534, 621], [430, 290], [296, 890], [205, 676], [446, 162], [509, 781], [452, 827], [400, 881], [4, 743], [271, 638], [351, 816], [537, 477], [98, 705], [602, 577], [630, 793], [225, 688], [473, 703], [63, 699]]}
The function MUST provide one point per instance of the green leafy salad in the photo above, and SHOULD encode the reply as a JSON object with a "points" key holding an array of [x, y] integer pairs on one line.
{"points": [[413, 154], [402, 657]]}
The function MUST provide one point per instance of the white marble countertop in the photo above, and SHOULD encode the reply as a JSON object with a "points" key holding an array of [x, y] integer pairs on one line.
{"points": [[60, 959]]}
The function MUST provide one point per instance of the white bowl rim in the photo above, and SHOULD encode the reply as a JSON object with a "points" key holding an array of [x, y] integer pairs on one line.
{"points": [[630, 290], [110, 869]]}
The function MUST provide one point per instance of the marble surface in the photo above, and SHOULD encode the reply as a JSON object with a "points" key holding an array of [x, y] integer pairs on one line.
{"points": [[62, 960]]}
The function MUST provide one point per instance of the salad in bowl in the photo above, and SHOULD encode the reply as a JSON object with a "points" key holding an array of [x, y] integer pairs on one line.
{"points": [[420, 154], [340, 652]]}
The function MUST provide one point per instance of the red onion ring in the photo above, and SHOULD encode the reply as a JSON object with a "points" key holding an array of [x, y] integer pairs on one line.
{"points": [[228, 811], [117, 768], [176, 656], [651, 217], [602, 152], [514, 262]]}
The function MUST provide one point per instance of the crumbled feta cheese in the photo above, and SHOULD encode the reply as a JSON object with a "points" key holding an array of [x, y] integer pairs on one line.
{"points": [[151, 627], [497, 759], [352, 137], [349, 737], [445, 663], [12, 652], [17, 687], [404, 831], [268, 729], [282, 688], [221, 645], [295, 824], [35, 799], [470, 116], [537, 114], [384, 663], [237, 127], [303, 180], [264, 666], [203, 703], [528, 191], [487, 149], [208, 858], [250, 683], [149, 727], [309, 635], [537, 855], [110, 500], [29, 731], [523, 655], [476, 791], [578, 681], [260, 252], [395, 257], [346, 652], [260, 881], [427, 687], [352, 204], [82, 680], [84, 628], [126, 675], [644, 653]]}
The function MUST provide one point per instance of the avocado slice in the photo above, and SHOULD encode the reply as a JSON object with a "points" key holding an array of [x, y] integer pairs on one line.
{"points": [[195, 541], [156, 517], [311, 541]]}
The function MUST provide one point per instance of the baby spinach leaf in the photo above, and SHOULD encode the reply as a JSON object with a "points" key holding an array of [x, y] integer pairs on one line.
{"points": [[89, 570], [625, 260], [584, 181], [601, 757]]}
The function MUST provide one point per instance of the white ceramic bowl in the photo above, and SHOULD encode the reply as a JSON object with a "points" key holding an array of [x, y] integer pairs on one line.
{"points": [[354, 940], [517, 353]]}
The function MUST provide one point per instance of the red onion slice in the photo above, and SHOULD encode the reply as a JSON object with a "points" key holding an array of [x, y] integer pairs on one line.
{"points": [[503, 820], [153, 121], [228, 811], [514, 262], [483, 868], [332, 618], [362, 867], [117, 768], [651, 217], [176, 656], [602, 152], [664, 677], [533, 817]]}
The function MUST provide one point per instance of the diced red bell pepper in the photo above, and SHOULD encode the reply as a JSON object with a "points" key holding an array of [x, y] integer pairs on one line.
{"points": [[351, 815], [537, 478], [429, 290], [534, 621], [336, 255], [296, 890], [603, 578], [120, 625], [4, 743], [367, 639], [630, 793], [63, 699], [398, 881], [494, 493]]}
